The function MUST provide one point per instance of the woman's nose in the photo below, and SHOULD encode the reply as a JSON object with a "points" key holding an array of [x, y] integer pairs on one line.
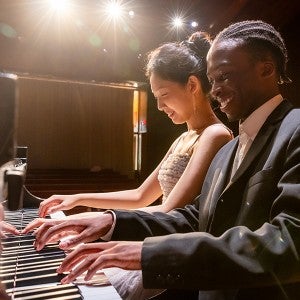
{"points": [[160, 104]]}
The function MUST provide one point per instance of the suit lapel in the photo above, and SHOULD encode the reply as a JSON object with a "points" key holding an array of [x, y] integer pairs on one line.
{"points": [[227, 165], [262, 138], [216, 184]]}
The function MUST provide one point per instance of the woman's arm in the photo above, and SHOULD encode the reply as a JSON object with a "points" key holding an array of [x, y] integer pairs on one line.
{"points": [[148, 192], [145, 194]]}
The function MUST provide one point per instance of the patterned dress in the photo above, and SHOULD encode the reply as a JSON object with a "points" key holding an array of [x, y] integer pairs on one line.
{"points": [[171, 170], [129, 283]]}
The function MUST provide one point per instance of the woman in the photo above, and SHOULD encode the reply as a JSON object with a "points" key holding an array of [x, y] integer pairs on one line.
{"points": [[177, 74]]}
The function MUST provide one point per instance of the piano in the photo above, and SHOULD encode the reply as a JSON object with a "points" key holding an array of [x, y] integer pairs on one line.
{"points": [[28, 274], [25, 273]]}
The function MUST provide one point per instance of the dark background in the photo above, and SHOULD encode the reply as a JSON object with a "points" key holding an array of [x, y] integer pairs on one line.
{"points": [[84, 45]]}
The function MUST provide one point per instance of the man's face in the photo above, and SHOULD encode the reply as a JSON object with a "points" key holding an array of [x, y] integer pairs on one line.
{"points": [[235, 78]]}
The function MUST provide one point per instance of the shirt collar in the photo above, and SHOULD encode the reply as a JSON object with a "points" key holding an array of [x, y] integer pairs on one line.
{"points": [[254, 122]]}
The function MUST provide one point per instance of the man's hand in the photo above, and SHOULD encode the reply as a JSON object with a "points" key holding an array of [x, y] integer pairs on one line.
{"points": [[96, 256], [76, 229]]}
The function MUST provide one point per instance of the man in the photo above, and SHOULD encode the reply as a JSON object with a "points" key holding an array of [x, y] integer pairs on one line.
{"points": [[241, 238]]}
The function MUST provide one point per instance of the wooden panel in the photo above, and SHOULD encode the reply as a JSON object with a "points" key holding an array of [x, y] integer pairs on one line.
{"points": [[76, 125]]}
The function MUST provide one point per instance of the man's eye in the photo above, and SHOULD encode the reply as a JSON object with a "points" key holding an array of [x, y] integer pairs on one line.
{"points": [[220, 78], [223, 77]]}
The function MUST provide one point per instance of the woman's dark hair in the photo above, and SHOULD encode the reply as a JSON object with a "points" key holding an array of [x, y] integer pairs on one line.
{"points": [[261, 39], [178, 61]]}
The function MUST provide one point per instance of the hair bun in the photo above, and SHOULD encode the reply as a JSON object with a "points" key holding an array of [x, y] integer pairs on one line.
{"points": [[200, 43]]}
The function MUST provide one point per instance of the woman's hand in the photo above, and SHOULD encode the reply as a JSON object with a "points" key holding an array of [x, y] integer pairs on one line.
{"points": [[75, 229], [56, 203], [7, 228], [96, 256]]}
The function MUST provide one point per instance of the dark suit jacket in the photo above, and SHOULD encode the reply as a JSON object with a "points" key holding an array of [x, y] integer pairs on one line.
{"points": [[242, 238]]}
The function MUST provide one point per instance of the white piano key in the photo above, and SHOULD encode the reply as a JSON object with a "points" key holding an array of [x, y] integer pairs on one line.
{"points": [[19, 255]]}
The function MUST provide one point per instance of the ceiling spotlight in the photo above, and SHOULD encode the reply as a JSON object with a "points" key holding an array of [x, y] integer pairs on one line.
{"points": [[114, 9], [177, 22], [194, 24]]}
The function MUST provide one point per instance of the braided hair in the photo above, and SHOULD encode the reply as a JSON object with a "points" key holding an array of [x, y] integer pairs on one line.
{"points": [[261, 39], [176, 61]]}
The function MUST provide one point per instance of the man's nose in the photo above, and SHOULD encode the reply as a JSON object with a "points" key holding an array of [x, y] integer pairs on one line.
{"points": [[215, 90]]}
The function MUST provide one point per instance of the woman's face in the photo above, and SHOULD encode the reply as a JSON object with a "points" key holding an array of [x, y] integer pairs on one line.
{"points": [[173, 98]]}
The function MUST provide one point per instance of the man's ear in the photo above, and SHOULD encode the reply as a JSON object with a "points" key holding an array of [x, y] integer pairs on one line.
{"points": [[268, 69], [194, 84]]}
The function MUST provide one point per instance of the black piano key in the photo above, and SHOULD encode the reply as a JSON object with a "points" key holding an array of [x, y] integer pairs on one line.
{"points": [[31, 278], [23, 269], [49, 292], [37, 278], [26, 254], [29, 267]]}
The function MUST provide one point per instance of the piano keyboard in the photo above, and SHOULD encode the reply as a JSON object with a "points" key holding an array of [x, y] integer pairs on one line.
{"points": [[28, 274]]}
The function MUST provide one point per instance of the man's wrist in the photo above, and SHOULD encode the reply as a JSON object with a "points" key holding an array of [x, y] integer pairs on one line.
{"points": [[111, 223]]}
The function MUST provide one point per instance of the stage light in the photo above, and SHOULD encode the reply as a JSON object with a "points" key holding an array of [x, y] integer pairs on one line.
{"points": [[194, 24], [114, 9], [177, 22]]}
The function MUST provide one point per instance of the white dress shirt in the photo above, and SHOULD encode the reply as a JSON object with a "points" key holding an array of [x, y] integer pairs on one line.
{"points": [[249, 128]]}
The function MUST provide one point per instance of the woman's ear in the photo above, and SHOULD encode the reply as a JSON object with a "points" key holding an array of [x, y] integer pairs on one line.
{"points": [[194, 84]]}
